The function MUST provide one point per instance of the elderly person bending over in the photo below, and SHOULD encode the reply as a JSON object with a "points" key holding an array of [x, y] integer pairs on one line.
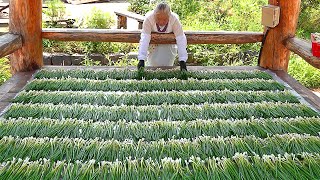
{"points": [[162, 20]]}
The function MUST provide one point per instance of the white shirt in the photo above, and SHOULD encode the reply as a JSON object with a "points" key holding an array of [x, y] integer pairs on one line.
{"points": [[174, 25]]}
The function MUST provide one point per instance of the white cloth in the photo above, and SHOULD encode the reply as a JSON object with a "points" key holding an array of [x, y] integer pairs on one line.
{"points": [[164, 54]]}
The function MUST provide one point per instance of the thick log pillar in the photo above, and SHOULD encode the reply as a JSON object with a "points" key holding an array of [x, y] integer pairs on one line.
{"points": [[275, 55], [25, 19]]}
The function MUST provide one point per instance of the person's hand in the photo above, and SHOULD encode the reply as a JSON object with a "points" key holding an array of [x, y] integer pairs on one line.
{"points": [[141, 64], [183, 66]]}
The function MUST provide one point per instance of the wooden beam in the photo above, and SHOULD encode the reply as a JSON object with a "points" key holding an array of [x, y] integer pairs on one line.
{"points": [[193, 37], [275, 55], [25, 19], [9, 43], [304, 92], [303, 49]]}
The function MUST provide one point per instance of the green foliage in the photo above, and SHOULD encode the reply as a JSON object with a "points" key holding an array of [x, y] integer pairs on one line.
{"points": [[304, 72], [124, 61], [56, 11], [140, 6], [4, 70], [97, 19], [309, 20], [89, 62]]}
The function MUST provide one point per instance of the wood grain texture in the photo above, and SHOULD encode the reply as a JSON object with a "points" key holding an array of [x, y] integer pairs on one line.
{"points": [[25, 19], [304, 92], [131, 15], [303, 49], [275, 55], [193, 37], [9, 43]]}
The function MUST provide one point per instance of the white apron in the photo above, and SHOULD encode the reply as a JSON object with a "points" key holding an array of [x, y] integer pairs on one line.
{"points": [[162, 55]]}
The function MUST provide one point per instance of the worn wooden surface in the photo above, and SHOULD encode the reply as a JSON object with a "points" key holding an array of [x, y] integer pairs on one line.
{"points": [[12, 87], [9, 43], [303, 49], [193, 37], [304, 92], [25, 19], [122, 22], [275, 55], [123, 18], [131, 15]]}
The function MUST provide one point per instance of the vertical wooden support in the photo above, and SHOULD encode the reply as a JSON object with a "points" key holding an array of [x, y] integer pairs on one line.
{"points": [[25, 19], [140, 24], [275, 55], [122, 22]]}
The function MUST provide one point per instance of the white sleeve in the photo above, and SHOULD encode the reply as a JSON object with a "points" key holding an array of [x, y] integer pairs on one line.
{"points": [[144, 40], [181, 41], [182, 47], [143, 46]]}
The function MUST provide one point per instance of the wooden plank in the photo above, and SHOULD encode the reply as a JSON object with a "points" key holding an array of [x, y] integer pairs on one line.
{"points": [[193, 37], [275, 55], [304, 92], [25, 19], [9, 43], [131, 15], [303, 49], [12, 87]]}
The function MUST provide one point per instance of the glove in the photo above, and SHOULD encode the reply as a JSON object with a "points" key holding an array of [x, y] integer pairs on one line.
{"points": [[141, 64], [183, 65]]}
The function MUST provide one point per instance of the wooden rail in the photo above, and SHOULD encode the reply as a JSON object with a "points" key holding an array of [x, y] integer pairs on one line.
{"points": [[303, 49], [193, 37], [9, 43], [124, 15]]}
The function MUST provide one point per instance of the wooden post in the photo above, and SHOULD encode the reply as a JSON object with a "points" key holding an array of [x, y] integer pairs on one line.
{"points": [[275, 55], [140, 25], [25, 20], [122, 22]]}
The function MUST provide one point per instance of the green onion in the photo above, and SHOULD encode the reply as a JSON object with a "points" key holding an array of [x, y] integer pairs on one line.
{"points": [[158, 112]]}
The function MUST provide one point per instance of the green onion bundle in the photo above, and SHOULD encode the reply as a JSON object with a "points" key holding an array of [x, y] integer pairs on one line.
{"points": [[153, 97], [156, 130], [149, 74], [152, 85], [158, 112]]}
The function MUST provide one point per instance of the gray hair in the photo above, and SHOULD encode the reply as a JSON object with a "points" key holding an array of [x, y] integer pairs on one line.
{"points": [[163, 7]]}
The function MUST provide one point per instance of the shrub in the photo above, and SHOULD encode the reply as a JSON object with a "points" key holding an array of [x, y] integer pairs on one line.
{"points": [[56, 11], [303, 72], [4, 70]]}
